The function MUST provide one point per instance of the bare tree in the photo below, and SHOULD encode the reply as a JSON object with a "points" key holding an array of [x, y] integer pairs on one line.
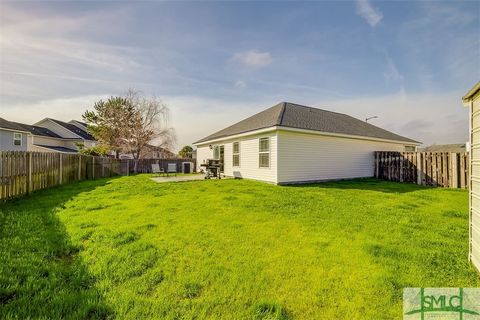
{"points": [[147, 124]]}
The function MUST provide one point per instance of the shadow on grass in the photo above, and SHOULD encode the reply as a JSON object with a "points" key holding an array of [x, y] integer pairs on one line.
{"points": [[370, 184], [41, 273]]}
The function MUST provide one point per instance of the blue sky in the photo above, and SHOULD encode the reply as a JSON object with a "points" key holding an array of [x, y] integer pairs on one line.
{"points": [[215, 63]]}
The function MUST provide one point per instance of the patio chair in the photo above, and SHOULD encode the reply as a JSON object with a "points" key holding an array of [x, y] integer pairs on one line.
{"points": [[157, 170], [172, 168]]}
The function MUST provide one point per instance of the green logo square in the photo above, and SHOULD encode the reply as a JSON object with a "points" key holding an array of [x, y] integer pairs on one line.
{"points": [[441, 303]]}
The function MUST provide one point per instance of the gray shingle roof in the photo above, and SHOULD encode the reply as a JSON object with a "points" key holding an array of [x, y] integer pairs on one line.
{"points": [[38, 131], [55, 148], [35, 130], [73, 128], [10, 125], [292, 115], [79, 122]]}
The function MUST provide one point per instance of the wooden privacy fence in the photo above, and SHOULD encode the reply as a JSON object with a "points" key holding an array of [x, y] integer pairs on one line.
{"points": [[145, 165], [439, 169], [23, 172]]}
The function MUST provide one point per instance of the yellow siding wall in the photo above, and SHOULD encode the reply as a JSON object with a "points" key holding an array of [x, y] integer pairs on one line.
{"points": [[475, 183]]}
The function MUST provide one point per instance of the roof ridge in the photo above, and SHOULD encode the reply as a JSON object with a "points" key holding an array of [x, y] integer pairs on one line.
{"points": [[310, 107], [282, 112]]}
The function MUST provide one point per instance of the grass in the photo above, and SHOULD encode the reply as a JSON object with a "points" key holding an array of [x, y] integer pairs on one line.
{"points": [[229, 249]]}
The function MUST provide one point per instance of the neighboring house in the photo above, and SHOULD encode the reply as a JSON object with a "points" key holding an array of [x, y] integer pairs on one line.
{"points": [[44, 136], [290, 143], [12, 136], [457, 147], [472, 101], [152, 152], [72, 130], [155, 152]]}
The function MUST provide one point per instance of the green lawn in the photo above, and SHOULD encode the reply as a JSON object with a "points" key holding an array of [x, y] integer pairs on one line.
{"points": [[229, 249]]}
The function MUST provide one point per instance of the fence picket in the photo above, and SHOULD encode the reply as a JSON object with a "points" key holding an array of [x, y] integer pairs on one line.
{"points": [[442, 169], [23, 172]]}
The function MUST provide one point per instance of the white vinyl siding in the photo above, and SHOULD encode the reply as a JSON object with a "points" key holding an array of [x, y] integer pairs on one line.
{"points": [[47, 141], [7, 141], [203, 153], [311, 157], [298, 157], [249, 159], [58, 129], [475, 183]]}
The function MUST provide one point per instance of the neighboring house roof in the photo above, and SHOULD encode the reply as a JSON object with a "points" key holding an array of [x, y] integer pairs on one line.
{"points": [[73, 128], [292, 115], [152, 148], [457, 147], [39, 131], [35, 130], [471, 94], [58, 149], [80, 122], [5, 124]]}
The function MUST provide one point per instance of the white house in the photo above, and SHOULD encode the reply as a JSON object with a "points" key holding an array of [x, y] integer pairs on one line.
{"points": [[291, 143], [472, 101]]}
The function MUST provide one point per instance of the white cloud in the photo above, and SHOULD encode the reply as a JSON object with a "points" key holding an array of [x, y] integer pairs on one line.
{"points": [[392, 73], [62, 109], [253, 58], [372, 15], [45, 56], [195, 117], [29, 41], [427, 117], [240, 84]]}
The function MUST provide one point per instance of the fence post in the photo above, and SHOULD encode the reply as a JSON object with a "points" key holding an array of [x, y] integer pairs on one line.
{"points": [[128, 167], [60, 176], [93, 167], [29, 172], [376, 164], [454, 169], [79, 167], [103, 167], [401, 157], [419, 168]]}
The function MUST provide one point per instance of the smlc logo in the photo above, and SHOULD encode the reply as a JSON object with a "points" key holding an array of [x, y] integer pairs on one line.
{"points": [[441, 303]]}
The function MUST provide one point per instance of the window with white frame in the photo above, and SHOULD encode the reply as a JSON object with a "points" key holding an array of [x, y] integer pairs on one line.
{"points": [[264, 153], [17, 139], [236, 154]]}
